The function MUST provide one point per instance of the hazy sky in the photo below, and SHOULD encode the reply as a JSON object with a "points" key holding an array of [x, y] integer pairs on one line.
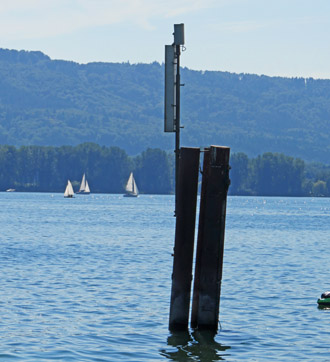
{"points": [[273, 37]]}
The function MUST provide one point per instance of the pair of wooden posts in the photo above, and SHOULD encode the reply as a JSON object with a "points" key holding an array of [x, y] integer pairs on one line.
{"points": [[210, 240]]}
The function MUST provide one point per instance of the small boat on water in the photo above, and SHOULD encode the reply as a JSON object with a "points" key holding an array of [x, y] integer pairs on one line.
{"points": [[131, 187], [324, 301], [69, 190], [10, 190], [84, 187]]}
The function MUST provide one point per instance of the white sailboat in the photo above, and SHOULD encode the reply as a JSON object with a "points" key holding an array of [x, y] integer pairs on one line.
{"points": [[69, 190], [131, 188], [84, 187]]}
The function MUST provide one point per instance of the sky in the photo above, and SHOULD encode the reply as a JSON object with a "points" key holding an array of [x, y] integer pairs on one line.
{"points": [[288, 38]]}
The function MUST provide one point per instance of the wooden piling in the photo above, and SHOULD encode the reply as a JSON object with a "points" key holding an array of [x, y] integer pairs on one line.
{"points": [[184, 238], [210, 242]]}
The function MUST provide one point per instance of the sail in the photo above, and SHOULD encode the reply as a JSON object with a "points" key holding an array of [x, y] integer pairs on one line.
{"points": [[69, 190], [131, 187], [135, 188], [84, 188], [130, 183], [87, 187], [83, 184]]}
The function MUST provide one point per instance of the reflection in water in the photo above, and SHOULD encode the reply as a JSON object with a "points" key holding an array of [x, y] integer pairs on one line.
{"points": [[195, 346], [323, 307]]}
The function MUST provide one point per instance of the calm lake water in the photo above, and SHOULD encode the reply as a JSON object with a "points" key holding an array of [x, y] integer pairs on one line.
{"points": [[89, 279]]}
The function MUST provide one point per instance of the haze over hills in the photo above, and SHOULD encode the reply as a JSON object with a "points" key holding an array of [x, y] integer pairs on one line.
{"points": [[54, 102]]}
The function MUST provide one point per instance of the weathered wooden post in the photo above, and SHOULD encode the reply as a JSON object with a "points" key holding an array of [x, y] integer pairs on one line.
{"points": [[184, 238], [210, 243]]}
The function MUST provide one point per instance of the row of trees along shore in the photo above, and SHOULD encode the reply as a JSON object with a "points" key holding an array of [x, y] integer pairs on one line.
{"points": [[47, 169]]}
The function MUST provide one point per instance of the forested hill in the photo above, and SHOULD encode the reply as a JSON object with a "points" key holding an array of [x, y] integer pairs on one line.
{"points": [[54, 102]]}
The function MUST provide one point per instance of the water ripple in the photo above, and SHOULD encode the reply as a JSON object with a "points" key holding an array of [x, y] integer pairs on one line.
{"points": [[89, 280]]}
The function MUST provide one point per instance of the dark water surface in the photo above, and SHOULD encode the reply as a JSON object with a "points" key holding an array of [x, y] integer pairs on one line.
{"points": [[89, 279]]}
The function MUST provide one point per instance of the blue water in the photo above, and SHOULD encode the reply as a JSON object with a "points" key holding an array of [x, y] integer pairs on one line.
{"points": [[89, 279]]}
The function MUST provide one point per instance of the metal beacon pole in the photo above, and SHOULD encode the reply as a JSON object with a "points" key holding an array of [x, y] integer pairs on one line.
{"points": [[172, 94]]}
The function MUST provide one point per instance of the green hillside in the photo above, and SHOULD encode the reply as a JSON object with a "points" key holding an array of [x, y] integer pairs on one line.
{"points": [[53, 102]]}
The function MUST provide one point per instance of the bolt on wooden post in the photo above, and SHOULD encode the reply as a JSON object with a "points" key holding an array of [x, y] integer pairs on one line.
{"points": [[184, 238], [210, 241]]}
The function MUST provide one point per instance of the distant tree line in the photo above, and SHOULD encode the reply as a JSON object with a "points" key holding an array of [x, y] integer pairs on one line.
{"points": [[274, 174], [47, 169]]}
